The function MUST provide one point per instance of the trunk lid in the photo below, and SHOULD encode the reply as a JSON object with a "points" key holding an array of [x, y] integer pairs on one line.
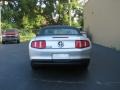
{"points": [[60, 41]]}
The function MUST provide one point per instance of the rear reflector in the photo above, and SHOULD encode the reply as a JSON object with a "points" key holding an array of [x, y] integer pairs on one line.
{"points": [[82, 43], [38, 44]]}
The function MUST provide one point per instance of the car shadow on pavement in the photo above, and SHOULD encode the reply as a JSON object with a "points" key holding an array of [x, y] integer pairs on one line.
{"points": [[61, 73]]}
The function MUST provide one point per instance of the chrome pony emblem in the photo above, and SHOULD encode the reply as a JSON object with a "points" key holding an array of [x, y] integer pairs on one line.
{"points": [[60, 44]]}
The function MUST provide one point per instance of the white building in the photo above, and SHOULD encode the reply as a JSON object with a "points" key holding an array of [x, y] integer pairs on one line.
{"points": [[102, 22]]}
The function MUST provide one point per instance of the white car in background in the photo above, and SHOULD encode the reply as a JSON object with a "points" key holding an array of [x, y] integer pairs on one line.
{"points": [[59, 45]]}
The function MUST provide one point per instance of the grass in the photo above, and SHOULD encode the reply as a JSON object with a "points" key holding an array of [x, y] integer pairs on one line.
{"points": [[26, 37]]}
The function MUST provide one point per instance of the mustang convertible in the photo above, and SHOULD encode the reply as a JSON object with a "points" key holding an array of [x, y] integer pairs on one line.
{"points": [[59, 45]]}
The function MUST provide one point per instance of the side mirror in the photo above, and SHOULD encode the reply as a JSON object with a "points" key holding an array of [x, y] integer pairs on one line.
{"points": [[83, 33]]}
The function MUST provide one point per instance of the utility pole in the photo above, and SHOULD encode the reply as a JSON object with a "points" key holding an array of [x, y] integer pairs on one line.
{"points": [[0, 21], [69, 2]]}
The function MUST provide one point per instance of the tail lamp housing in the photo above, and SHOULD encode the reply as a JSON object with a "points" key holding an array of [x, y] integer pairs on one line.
{"points": [[82, 43], [41, 44]]}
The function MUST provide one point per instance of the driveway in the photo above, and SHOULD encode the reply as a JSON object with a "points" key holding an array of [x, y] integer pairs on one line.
{"points": [[16, 73]]}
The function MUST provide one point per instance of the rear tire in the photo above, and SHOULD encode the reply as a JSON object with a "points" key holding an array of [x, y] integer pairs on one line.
{"points": [[3, 42], [85, 65], [34, 66], [18, 41]]}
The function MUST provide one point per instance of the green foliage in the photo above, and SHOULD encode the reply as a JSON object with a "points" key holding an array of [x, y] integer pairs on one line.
{"points": [[6, 25], [27, 15], [75, 24], [39, 20], [25, 22]]}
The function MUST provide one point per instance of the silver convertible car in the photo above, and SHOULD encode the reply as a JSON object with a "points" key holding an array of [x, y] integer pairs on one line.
{"points": [[59, 45]]}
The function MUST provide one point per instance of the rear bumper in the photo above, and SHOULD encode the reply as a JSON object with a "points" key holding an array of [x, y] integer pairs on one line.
{"points": [[10, 39], [47, 54], [60, 62]]}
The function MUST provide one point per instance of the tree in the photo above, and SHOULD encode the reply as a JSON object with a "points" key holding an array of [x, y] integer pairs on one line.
{"points": [[30, 14]]}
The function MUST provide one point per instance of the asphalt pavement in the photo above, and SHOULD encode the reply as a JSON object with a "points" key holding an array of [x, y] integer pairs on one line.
{"points": [[16, 73]]}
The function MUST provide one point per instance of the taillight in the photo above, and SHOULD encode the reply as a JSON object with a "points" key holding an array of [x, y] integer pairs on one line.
{"points": [[3, 35], [82, 43], [16, 35], [38, 44]]}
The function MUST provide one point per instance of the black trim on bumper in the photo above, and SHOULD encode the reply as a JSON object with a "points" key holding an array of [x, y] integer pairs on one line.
{"points": [[60, 62]]}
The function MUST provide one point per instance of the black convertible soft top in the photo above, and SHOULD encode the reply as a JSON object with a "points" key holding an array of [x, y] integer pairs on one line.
{"points": [[69, 30], [59, 26]]}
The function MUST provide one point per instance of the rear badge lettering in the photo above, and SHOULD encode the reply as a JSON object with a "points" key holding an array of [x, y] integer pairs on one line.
{"points": [[60, 44]]}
